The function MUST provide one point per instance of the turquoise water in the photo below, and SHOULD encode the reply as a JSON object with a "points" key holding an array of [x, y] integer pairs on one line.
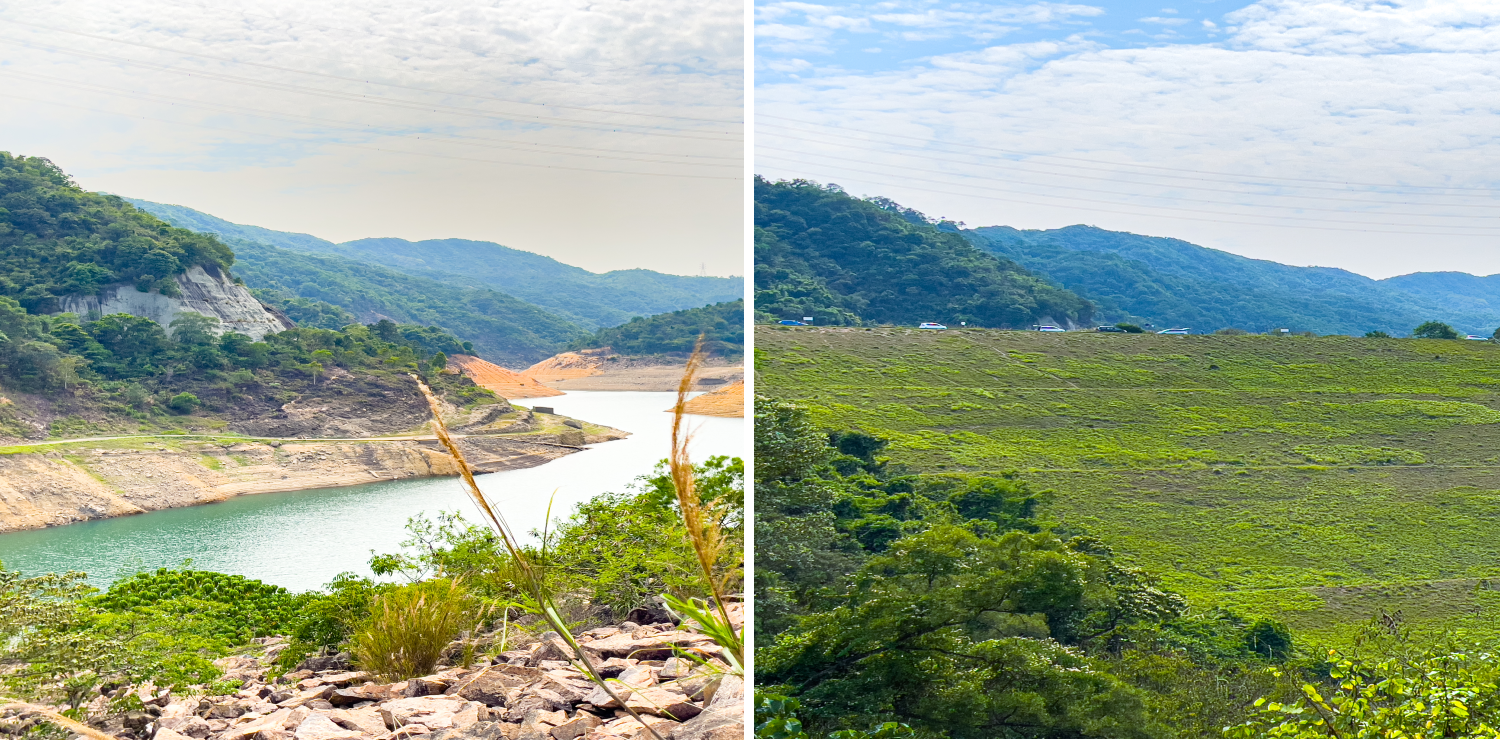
{"points": [[301, 539]]}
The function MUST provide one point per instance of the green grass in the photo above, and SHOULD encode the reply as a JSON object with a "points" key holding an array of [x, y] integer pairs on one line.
{"points": [[1317, 480]]}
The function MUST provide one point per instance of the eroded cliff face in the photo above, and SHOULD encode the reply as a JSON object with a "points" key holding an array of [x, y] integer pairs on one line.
{"points": [[209, 292], [47, 489]]}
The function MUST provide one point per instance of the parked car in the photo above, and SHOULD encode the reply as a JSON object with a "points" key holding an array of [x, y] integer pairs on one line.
{"points": [[790, 322], [1049, 328], [1173, 331], [1476, 337], [1111, 329], [930, 325]]}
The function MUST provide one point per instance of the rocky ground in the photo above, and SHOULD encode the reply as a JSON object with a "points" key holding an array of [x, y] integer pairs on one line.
{"points": [[527, 694]]}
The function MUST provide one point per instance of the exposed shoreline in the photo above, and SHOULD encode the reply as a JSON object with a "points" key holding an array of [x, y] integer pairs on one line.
{"points": [[84, 481]]}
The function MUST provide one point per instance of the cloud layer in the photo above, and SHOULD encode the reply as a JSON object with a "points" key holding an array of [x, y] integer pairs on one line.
{"points": [[605, 134], [1352, 134]]}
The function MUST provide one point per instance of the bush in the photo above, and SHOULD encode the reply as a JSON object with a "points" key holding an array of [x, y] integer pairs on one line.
{"points": [[1435, 330], [409, 626], [183, 403], [1377, 334], [1131, 328]]}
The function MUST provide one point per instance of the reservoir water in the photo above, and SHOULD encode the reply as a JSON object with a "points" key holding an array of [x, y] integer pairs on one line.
{"points": [[301, 539]]}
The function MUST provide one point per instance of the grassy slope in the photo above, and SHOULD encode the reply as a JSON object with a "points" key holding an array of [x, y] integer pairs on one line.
{"points": [[1316, 479]]}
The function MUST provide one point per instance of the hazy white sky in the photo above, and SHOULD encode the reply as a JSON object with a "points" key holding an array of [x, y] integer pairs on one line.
{"points": [[604, 133], [1359, 134]]}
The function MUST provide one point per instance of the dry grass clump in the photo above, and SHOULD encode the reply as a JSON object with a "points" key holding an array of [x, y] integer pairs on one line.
{"points": [[409, 627]]}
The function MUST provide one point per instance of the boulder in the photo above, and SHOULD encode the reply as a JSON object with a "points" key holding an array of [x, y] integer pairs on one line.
{"points": [[320, 727], [657, 646], [576, 727], [490, 685], [365, 719], [277, 720], [340, 662], [432, 712], [722, 719]]}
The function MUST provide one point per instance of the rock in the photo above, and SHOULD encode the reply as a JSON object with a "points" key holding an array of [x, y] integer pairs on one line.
{"points": [[576, 727], [479, 731], [366, 720], [225, 711], [657, 646], [337, 679], [651, 614], [676, 668], [277, 720], [313, 694], [549, 650], [163, 733], [629, 626], [137, 721], [639, 676], [340, 662], [613, 667], [722, 719], [424, 687], [432, 712], [320, 727]]}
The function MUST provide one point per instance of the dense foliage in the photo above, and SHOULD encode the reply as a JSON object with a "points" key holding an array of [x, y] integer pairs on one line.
{"points": [[57, 239], [722, 326], [1170, 282], [588, 299], [319, 287], [941, 602], [845, 261]]}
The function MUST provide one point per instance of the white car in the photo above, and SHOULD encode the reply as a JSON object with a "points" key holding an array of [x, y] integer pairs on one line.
{"points": [[1173, 331], [1478, 338], [1049, 328], [930, 325]]}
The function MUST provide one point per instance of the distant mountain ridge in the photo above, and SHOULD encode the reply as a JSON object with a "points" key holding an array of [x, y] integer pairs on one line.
{"points": [[1168, 281], [591, 300]]}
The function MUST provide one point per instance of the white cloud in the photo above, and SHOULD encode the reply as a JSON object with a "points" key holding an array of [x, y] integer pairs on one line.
{"points": [[1288, 116], [908, 20], [486, 118], [1164, 21]]}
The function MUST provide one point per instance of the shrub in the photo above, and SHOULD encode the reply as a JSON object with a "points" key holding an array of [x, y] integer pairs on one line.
{"points": [[1377, 334], [409, 626], [1435, 330], [183, 403], [1131, 328]]}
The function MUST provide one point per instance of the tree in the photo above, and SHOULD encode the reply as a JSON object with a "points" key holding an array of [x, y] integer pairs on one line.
{"points": [[183, 403], [1435, 330], [1377, 334]]}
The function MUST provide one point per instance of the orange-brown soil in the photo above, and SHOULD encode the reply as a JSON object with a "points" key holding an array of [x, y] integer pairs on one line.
{"points": [[727, 401], [567, 366], [505, 383]]}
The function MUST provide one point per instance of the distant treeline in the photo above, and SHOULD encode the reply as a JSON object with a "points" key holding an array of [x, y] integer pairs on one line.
{"points": [[721, 324]]}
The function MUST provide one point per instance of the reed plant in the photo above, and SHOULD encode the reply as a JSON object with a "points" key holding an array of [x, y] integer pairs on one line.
{"points": [[704, 534], [409, 627]]}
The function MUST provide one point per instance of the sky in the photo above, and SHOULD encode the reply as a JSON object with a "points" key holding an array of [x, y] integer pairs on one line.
{"points": [[1357, 134], [607, 134]]}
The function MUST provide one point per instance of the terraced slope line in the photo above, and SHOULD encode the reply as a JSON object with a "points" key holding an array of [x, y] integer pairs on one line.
{"points": [[567, 365], [726, 401], [507, 384]]}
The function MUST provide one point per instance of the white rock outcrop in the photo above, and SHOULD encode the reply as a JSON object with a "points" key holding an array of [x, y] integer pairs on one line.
{"points": [[208, 292]]}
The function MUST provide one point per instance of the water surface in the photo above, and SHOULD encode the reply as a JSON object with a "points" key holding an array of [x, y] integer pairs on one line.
{"points": [[301, 539]]}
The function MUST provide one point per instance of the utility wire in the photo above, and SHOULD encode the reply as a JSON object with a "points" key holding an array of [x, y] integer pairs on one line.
{"points": [[321, 142], [903, 185], [457, 139], [294, 70], [1113, 164]]}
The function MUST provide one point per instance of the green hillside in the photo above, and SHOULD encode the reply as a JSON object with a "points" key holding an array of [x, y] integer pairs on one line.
{"points": [[1315, 480], [57, 239], [722, 326], [502, 328], [845, 261], [1170, 282], [591, 300]]}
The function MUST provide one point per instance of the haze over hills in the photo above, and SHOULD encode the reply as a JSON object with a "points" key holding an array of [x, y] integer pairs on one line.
{"points": [[1172, 282], [591, 300]]}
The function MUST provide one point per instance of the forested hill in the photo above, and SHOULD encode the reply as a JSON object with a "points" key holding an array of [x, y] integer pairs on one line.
{"points": [[329, 291], [846, 261], [1172, 282], [57, 239], [722, 326], [591, 300]]}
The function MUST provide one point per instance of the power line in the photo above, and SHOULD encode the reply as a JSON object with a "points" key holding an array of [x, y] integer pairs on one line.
{"points": [[906, 186], [452, 138], [365, 81], [1119, 164], [366, 147], [906, 168], [637, 129]]}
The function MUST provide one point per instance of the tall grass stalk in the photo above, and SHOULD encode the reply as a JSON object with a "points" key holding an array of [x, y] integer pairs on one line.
{"points": [[702, 522], [57, 719], [531, 578]]}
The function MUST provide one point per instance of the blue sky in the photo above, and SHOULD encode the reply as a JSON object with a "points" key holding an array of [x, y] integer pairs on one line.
{"points": [[877, 36], [1358, 134]]}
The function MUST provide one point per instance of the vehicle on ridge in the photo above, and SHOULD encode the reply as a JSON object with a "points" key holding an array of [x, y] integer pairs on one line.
{"points": [[1174, 331], [790, 322], [930, 325], [1049, 328]]}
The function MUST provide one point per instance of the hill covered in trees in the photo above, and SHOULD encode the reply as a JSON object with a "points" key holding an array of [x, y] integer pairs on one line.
{"points": [[325, 289], [721, 324], [57, 239], [846, 261], [591, 300], [1144, 279]]}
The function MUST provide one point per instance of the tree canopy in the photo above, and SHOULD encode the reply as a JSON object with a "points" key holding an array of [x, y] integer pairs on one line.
{"points": [[721, 324]]}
